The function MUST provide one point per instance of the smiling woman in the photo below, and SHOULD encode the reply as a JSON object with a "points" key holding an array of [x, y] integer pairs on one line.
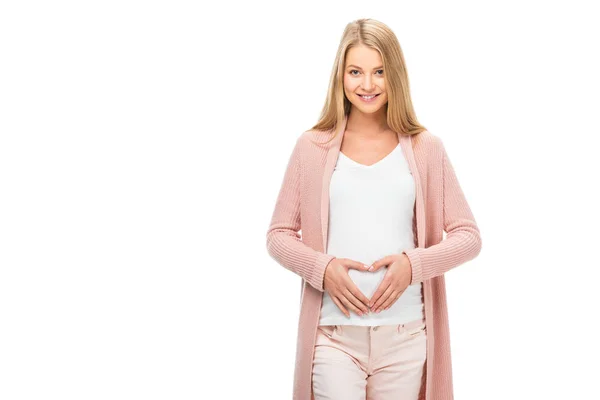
{"points": [[364, 79], [369, 187]]}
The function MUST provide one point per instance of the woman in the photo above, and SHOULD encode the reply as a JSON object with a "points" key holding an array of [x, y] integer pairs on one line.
{"points": [[372, 192]]}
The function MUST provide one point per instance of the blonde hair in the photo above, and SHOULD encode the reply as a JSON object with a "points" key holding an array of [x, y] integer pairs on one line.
{"points": [[368, 32]]}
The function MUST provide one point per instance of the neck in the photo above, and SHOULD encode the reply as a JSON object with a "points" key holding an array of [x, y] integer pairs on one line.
{"points": [[367, 124]]}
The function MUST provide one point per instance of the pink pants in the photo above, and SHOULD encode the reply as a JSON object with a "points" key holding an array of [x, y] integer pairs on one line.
{"points": [[383, 362]]}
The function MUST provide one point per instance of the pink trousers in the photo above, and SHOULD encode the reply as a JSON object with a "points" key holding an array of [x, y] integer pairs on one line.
{"points": [[383, 362]]}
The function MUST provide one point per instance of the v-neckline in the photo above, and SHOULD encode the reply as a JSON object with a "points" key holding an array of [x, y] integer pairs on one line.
{"points": [[376, 163]]}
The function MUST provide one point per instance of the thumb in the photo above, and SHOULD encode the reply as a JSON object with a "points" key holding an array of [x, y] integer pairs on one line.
{"points": [[382, 262], [357, 265]]}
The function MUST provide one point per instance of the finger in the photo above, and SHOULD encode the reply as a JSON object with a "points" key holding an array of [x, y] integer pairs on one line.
{"points": [[383, 298], [382, 262], [356, 265], [396, 299], [349, 305], [382, 288], [356, 302], [340, 306], [390, 300], [355, 291], [360, 296]]}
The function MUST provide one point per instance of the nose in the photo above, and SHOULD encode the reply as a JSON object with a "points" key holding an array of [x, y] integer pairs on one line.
{"points": [[367, 83]]}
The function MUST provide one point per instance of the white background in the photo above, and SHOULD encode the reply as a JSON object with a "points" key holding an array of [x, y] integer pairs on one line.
{"points": [[143, 144]]}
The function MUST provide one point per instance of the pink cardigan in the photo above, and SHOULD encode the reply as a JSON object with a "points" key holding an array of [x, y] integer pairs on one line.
{"points": [[303, 205]]}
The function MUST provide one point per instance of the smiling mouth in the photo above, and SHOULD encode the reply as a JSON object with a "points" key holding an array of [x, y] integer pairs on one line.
{"points": [[369, 96]]}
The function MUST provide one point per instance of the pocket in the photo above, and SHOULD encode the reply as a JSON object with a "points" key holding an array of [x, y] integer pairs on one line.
{"points": [[328, 330], [420, 330]]}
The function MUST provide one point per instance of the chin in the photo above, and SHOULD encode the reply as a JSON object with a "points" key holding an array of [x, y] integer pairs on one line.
{"points": [[367, 110]]}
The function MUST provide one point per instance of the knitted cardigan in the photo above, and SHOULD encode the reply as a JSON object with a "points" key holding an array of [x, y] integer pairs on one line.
{"points": [[297, 239]]}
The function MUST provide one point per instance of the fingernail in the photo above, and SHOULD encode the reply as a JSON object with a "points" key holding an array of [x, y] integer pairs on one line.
{"points": [[371, 268]]}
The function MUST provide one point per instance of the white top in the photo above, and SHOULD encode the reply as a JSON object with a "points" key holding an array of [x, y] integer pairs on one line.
{"points": [[371, 211]]}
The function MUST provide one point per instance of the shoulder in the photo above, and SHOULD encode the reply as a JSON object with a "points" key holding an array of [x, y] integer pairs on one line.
{"points": [[307, 145], [427, 142], [313, 140], [315, 136]]}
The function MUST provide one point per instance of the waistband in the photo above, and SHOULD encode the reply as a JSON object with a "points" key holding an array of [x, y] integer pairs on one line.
{"points": [[398, 327]]}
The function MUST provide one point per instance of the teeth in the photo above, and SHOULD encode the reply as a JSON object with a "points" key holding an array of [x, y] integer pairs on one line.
{"points": [[367, 97]]}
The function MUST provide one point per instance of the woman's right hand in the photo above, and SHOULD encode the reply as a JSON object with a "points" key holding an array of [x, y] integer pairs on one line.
{"points": [[342, 289]]}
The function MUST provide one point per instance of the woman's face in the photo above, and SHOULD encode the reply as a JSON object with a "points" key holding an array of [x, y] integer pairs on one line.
{"points": [[364, 75]]}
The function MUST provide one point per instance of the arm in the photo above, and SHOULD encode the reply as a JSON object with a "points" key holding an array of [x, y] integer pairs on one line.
{"points": [[463, 241], [283, 240]]}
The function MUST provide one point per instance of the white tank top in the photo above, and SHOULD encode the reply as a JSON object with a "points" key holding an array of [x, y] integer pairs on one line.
{"points": [[370, 217]]}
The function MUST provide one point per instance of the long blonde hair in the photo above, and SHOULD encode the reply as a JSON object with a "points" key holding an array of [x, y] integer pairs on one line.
{"points": [[401, 116]]}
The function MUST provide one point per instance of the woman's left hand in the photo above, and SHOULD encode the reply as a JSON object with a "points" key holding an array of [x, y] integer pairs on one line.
{"points": [[394, 283]]}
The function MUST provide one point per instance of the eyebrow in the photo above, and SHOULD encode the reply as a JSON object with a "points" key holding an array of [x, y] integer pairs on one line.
{"points": [[357, 67]]}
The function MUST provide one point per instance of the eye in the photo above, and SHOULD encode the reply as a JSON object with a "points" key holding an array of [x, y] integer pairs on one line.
{"points": [[354, 70]]}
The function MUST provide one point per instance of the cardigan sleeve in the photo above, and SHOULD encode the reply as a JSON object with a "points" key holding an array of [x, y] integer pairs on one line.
{"points": [[463, 240], [284, 243]]}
